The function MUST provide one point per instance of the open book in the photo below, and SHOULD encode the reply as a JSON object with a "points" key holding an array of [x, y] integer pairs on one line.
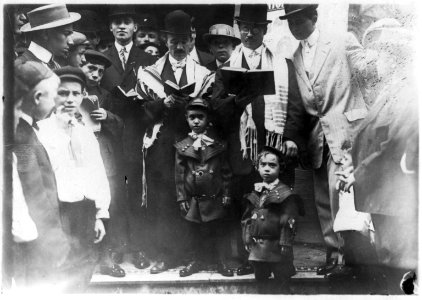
{"points": [[170, 88], [89, 104], [132, 94], [257, 81]]}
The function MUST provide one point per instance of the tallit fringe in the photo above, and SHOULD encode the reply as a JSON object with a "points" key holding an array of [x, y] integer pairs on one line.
{"points": [[274, 140], [144, 179]]}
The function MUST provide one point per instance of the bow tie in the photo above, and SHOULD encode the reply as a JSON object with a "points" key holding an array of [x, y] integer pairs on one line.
{"points": [[254, 54], [178, 64], [200, 139], [261, 185]]}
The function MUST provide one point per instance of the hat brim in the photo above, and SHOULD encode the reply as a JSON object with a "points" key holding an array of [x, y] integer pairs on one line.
{"points": [[207, 36], [252, 22], [73, 17], [291, 14]]}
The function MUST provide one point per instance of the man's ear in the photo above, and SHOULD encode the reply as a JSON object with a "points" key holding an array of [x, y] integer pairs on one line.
{"points": [[37, 97], [315, 18], [135, 27]]}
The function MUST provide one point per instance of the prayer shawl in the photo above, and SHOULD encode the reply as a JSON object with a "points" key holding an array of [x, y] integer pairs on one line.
{"points": [[275, 105], [150, 87]]}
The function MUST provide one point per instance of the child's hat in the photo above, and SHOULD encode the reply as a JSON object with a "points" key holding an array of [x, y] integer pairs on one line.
{"points": [[197, 103]]}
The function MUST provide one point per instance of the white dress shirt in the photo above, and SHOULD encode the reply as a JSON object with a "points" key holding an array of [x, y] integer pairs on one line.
{"points": [[253, 57], [40, 52], [178, 72], [128, 47], [309, 49], [194, 55], [80, 178]]}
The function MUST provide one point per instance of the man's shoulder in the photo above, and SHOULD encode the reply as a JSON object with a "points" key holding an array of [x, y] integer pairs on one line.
{"points": [[204, 57], [142, 57]]}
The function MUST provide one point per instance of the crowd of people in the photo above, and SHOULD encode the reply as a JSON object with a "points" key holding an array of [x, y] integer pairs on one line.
{"points": [[137, 145]]}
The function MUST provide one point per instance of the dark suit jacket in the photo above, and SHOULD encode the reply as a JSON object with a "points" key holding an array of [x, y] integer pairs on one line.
{"points": [[204, 57], [212, 66], [48, 251], [27, 56]]}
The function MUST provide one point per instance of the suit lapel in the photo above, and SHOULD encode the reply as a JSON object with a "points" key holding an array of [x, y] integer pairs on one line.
{"points": [[115, 59], [299, 66], [321, 53]]}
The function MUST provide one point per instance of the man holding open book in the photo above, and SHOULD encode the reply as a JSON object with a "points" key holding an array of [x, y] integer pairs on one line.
{"points": [[166, 87], [253, 117]]}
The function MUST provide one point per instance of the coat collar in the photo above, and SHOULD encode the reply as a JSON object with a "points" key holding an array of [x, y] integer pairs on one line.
{"points": [[275, 196], [184, 148]]}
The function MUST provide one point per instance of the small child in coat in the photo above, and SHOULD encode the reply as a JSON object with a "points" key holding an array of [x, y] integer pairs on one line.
{"points": [[268, 224], [203, 175]]}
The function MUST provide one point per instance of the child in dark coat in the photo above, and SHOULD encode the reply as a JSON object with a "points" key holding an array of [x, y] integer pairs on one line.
{"points": [[269, 224], [203, 180]]}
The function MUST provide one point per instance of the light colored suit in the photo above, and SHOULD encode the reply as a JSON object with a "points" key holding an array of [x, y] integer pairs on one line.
{"points": [[334, 106]]}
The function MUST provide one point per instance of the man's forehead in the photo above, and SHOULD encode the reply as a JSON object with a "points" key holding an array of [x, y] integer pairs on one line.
{"points": [[269, 157], [126, 19], [70, 85]]}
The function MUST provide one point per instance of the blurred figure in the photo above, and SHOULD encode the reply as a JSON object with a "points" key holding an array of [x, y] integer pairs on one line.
{"points": [[48, 29], [106, 41], [80, 43], [198, 56], [17, 19], [221, 42], [91, 25], [154, 49], [385, 158], [41, 246]]}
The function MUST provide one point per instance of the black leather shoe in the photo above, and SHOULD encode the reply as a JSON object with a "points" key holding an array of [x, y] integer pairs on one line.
{"points": [[114, 271], [192, 268], [224, 270], [324, 269], [116, 257], [245, 269], [340, 272], [140, 261], [159, 267]]}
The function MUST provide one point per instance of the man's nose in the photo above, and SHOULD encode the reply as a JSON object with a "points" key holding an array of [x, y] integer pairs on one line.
{"points": [[70, 41]]}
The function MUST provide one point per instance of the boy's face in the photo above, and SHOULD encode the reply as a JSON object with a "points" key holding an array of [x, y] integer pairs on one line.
{"points": [[94, 73], [69, 97], [77, 56], [346, 160], [145, 35], [197, 120], [301, 27], [269, 167]]}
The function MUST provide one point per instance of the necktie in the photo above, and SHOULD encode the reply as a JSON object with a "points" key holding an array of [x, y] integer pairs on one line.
{"points": [[75, 144], [123, 57], [200, 139], [35, 125], [53, 65]]}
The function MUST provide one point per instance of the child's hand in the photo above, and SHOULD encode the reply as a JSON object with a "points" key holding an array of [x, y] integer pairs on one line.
{"points": [[184, 206], [227, 201], [99, 114], [248, 248]]}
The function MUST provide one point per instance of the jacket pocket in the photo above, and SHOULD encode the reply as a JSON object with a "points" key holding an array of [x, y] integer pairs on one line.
{"points": [[356, 114]]}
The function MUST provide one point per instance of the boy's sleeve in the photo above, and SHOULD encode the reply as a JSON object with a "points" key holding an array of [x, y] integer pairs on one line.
{"points": [[179, 172], [292, 207], [246, 223]]}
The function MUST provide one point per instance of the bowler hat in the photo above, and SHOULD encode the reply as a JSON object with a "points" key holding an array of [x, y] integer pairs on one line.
{"points": [[292, 10], [30, 73], [197, 103], [70, 73], [96, 57], [253, 13], [49, 16], [120, 11], [177, 22], [221, 30]]}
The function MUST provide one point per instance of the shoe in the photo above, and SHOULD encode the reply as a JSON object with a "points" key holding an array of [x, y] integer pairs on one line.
{"points": [[245, 269], [140, 261], [340, 272], [116, 257], [159, 267], [324, 269], [114, 271], [224, 270], [192, 268]]}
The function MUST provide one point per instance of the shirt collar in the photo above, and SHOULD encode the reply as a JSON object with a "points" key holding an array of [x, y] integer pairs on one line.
{"points": [[194, 55], [27, 118], [173, 60], [273, 184], [119, 47], [248, 51], [40, 52], [312, 39]]}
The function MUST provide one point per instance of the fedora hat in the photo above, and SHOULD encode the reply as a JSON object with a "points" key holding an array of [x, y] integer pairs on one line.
{"points": [[253, 13], [221, 30], [49, 16], [177, 22], [121, 10], [292, 10]]}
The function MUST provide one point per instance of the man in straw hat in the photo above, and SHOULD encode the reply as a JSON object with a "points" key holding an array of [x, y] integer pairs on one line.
{"points": [[49, 28], [221, 42], [334, 106], [251, 121], [166, 112], [40, 252], [126, 59]]}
